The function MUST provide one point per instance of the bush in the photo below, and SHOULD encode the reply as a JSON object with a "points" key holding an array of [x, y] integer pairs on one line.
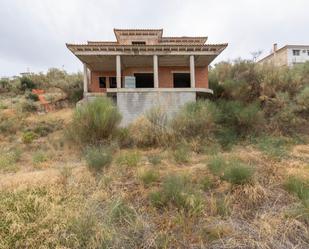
{"points": [[238, 173], [275, 147], [155, 159], [39, 157], [98, 158], [32, 96], [129, 158], [152, 129], [28, 106], [149, 176], [244, 119], [196, 119], [299, 187], [8, 159], [26, 84], [206, 183], [302, 100], [182, 154], [120, 213], [28, 137], [176, 190], [217, 165], [94, 122]]}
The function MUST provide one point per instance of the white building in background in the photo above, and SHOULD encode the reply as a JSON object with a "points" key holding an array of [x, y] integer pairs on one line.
{"points": [[288, 55]]}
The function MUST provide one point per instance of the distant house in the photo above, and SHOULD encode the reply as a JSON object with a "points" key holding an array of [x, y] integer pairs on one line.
{"points": [[288, 55], [143, 69]]}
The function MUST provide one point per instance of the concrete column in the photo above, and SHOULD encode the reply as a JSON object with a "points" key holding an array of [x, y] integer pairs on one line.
{"points": [[85, 78], [155, 72], [192, 71], [118, 71]]}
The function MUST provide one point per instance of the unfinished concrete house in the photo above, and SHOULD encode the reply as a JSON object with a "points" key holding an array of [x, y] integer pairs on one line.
{"points": [[143, 69]]}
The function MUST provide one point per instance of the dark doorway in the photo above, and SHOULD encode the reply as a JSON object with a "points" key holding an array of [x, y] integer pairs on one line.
{"points": [[102, 82], [112, 82], [181, 80], [143, 80]]}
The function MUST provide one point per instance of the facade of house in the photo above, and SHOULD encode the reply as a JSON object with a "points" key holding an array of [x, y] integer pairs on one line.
{"points": [[288, 55], [142, 69]]}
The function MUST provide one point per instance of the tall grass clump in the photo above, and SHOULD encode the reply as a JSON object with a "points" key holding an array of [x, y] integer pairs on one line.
{"points": [[98, 158], [233, 171], [149, 176], [196, 119], [94, 122], [238, 173], [177, 191], [129, 158], [299, 187], [152, 129], [216, 165], [182, 154], [274, 147]]}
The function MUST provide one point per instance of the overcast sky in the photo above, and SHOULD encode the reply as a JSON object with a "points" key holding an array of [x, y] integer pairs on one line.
{"points": [[33, 33]]}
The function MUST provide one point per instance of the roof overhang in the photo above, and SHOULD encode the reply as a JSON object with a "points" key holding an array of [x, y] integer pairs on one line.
{"points": [[103, 57], [138, 32]]}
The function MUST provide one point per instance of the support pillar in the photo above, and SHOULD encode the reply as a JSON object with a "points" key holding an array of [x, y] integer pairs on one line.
{"points": [[155, 72], [85, 79], [118, 71], [192, 71]]}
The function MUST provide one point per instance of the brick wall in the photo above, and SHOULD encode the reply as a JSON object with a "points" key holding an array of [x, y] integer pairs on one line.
{"points": [[165, 76]]}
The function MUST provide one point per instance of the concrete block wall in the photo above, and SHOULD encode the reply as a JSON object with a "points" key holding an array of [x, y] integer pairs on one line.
{"points": [[134, 104]]}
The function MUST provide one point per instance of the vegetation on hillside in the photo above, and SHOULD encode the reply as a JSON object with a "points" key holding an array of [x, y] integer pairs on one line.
{"points": [[227, 172]]}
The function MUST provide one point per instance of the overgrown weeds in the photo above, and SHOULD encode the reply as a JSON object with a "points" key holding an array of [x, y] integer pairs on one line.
{"points": [[98, 158], [95, 122], [233, 171], [129, 158], [177, 191]]}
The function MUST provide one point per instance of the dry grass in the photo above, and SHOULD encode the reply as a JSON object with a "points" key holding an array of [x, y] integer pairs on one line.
{"points": [[58, 203]]}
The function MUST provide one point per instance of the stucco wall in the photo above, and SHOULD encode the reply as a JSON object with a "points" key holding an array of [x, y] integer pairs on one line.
{"points": [[165, 76], [133, 104], [301, 58]]}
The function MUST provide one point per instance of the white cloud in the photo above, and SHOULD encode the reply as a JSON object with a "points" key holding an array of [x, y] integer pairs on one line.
{"points": [[33, 33]]}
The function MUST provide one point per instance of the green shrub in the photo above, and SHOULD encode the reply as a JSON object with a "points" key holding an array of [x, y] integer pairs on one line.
{"points": [[206, 183], [196, 119], [3, 106], [149, 176], [28, 106], [217, 165], [181, 154], [303, 99], [242, 118], [275, 147], [176, 190], [120, 213], [299, 187], [32, 96], [26, 84], [39, 157], [155, 159], [98, 158], [8, 159], [227, 137], [28, 137], [44, 128], [124, 138], [9, 125], [129, 158], [94, 122], [238, 173]]}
